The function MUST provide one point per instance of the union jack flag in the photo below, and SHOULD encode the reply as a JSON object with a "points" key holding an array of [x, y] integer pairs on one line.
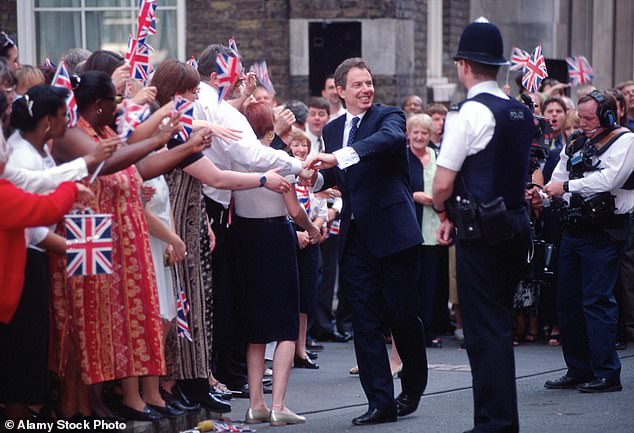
{"points": [[519, 58], [139, 59], [303, 196], [187, 117], [228, 69], [234, 47], [535, 70], [146, 20], [182, 309], [192, 61], [262, 74], [132, 115], [334, 228], [579, 70], [62, 79], [88, 244]]}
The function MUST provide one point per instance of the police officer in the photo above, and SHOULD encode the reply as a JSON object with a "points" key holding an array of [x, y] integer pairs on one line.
{"points": [[594, 173], [481, 178]]}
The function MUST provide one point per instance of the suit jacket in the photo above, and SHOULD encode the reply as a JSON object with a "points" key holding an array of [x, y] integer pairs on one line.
{"points": [[376, 189]]}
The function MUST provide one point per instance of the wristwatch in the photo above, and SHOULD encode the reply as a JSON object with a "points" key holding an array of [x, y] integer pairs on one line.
{"points": [[262, 180], [566, 186]]}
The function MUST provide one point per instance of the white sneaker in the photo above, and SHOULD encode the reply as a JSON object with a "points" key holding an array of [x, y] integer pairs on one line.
{"points": [[459, 334]]}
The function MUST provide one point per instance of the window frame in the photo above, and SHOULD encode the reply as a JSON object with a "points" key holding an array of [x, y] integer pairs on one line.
{"points": [[26, 25]]}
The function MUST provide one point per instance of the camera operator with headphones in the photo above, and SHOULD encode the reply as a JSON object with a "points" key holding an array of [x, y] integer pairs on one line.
{"points": [[594, 175]]}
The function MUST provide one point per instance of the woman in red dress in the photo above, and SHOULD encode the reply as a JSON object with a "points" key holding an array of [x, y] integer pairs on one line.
{"points": [[110, 323]]}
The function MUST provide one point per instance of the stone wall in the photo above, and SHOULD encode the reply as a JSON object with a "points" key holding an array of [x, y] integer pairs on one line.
{"points": [[260, 29]]}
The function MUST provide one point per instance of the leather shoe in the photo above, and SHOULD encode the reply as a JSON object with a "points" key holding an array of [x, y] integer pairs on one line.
{"points": [[280, 418], [313, 345], [406, 404], [564, 382], [168, 411], [335, 337], [601, 384], [306, 362], [213, 403], [146, 414], [243, 392], [376, 416], [223, 394], [255, 416], [312, 355], [186, 402], [177, 401]]}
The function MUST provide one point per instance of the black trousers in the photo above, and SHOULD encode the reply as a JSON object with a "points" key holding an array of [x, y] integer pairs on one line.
{"points": [[325, 318], [487, 279], [229, 353], [384, 291]]}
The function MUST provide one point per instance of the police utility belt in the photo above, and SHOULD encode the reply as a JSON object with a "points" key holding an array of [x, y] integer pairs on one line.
{"points": [[597, 210], [490, 222]]}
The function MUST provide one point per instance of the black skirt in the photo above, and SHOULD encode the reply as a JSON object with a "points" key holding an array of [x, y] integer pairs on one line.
{"points": [[264, 271], [24, 340]]}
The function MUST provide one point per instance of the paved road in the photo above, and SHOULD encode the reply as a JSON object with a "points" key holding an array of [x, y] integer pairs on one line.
{"points": [[330, 397]]}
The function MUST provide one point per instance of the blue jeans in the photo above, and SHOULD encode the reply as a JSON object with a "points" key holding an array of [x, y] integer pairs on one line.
{"points": [[588, 270]]}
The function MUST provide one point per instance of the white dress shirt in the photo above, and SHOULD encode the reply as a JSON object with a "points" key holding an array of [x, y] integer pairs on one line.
{"points": [[469, 130], [260, 202], [245, 155], [340, 112], [617, 163], [347, 156], [316, 143]]}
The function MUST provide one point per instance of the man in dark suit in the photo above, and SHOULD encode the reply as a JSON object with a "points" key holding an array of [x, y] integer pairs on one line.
{"points": [[366, 156]]}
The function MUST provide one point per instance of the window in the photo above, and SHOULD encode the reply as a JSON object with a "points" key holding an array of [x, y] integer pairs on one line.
{"points": [[57, 25]]}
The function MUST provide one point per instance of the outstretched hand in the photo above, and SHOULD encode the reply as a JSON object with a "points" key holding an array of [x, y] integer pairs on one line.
{"points": [[321, 161]]}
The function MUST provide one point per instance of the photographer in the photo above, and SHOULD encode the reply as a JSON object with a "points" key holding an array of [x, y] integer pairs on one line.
{"points": [[595, 168]]}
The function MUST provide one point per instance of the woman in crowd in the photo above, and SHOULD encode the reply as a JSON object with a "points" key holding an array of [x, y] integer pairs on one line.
{"points": [[434, 258], [24, 306], [9, 51], [189, 362], [7, 86], [28, 76], [108, 325], [266, 274], [308, 256]]}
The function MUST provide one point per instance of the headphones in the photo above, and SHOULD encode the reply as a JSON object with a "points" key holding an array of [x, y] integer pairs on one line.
{"points": [[607, 118]]}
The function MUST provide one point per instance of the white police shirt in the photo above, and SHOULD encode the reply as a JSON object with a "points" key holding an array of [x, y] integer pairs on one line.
{"points": [[469, 130]]}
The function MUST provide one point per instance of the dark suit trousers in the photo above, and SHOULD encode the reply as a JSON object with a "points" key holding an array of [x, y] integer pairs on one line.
{"points": [[229, 355], [487, 279], [586, 305], [325, 323], [384, 291]]}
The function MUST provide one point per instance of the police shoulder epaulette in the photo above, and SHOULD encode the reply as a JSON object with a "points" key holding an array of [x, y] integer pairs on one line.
{"points": [[457, 105]]}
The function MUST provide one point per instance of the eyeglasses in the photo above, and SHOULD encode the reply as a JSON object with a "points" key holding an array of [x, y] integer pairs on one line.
{"points": [[5, 40]]}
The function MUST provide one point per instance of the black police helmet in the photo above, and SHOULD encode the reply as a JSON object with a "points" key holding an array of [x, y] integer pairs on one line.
{"points": [[481, 42]]}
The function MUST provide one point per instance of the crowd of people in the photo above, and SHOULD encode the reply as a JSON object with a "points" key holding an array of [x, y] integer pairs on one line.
{"points": [[267, 213]]}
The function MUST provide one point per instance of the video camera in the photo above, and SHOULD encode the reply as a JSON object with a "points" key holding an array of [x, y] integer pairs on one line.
{"points": [[540, 145]]}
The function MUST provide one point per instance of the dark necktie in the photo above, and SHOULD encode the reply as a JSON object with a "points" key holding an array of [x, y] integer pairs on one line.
{"points": [[353, 130]]}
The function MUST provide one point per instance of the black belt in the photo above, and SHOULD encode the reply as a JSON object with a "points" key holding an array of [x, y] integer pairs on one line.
{"points": [[277, 219]]}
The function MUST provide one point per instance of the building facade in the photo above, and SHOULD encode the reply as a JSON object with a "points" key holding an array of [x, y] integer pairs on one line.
{"points": [[409, 43]]}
